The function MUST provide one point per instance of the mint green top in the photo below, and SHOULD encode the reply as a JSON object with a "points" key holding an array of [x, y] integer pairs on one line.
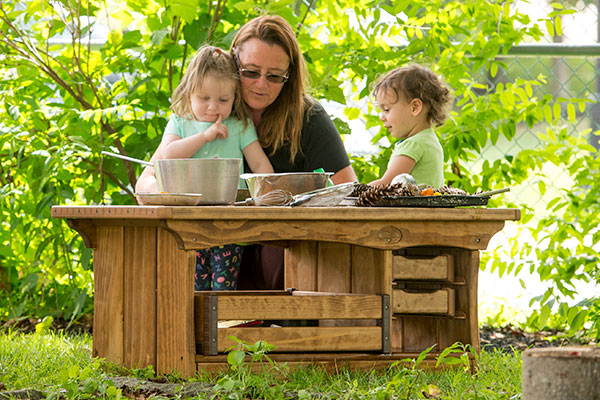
{"points": [[426, 150], [237, 140]]}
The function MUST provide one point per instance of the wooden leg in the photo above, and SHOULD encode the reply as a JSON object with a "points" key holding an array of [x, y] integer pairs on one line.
{"points": [[175, 349], [108, 294], [139, 296]]}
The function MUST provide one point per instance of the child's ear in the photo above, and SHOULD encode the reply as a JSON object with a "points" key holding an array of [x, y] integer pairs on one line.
{"points": [[416, 106]]}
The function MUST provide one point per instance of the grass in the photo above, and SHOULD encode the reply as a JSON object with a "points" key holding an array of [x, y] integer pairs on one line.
{"points": [[60, 364]]}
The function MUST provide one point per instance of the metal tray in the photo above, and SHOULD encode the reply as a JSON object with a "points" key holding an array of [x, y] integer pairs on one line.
{"points": [[432, 201]]}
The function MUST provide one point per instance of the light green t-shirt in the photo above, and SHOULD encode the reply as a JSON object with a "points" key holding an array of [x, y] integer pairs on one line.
{"points": [[237, 140], [426, 150]]}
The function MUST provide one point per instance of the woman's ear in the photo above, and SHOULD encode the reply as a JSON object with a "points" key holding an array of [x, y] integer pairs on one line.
{"points": [[416, 106]]}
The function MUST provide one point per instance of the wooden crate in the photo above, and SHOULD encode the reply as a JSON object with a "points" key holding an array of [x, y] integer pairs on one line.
{"points": [[423, 302], [439, 268], [212, 307]]}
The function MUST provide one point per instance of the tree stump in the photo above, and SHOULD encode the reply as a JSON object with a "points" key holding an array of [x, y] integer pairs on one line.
{"points": [[563, 373]]}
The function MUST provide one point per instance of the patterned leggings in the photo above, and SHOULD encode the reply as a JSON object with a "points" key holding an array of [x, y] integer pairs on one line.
{"points": [[217, 268]]}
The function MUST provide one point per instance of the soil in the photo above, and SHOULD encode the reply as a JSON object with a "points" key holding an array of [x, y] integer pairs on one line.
{"points": [[510, 338]]}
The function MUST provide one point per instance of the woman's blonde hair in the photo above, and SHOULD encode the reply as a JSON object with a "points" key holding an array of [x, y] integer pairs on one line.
{"points": [[282, 120], [418, 82], [209, 60]]}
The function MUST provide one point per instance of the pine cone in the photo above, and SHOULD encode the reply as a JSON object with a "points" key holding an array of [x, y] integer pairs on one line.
{"points": [[446, 189], [373, 194], [358, 189]]}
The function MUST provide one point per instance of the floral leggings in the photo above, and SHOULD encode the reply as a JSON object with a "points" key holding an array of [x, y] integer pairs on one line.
{"points": [[217, 268]]}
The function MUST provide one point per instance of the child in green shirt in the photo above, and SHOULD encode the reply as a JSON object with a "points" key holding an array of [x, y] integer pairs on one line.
{"points": [[411, 100]]}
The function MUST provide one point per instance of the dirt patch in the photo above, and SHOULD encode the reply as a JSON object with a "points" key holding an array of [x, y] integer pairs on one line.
{"points": [[510, 338]]}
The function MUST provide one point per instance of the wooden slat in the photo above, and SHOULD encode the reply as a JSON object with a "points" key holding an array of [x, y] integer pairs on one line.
{"points": [[108, 295], [420, 333], [371, 273], [299, 307], [437, 268], [301, 265], [307, 338], [371, 270], [397, 339], [175, 307], [195, 234], [329, 361], [140, 297], [346, 213], [334, 272], [103, 212], [289, 213], [435, 302]]}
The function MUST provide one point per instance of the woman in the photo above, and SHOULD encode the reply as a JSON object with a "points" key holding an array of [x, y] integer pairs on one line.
{"points": [[293, 129]]}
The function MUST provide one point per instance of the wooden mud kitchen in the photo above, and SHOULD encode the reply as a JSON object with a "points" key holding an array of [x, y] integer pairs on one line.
{"points": [[383, 283]]}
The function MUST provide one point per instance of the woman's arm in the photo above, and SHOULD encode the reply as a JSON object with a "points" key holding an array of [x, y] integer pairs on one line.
{"points": [[398, 165], [344, 175], [146, 183], [257, 159]]}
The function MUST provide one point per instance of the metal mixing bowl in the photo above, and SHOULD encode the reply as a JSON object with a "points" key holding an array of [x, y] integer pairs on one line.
{"points": [[295, 182], [215, 178]]}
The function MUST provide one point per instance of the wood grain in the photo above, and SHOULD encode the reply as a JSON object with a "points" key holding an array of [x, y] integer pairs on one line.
{"points": [[139, 296], [433, 302], [371, 270], [108, 295], [175, 307], [196, 234], [307, 338], [299, 307], [301, 265], [288, 213], [437, 268]]}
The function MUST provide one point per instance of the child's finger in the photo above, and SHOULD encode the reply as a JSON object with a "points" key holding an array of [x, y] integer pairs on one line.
{"points": [[223, 132], [219, 119]]}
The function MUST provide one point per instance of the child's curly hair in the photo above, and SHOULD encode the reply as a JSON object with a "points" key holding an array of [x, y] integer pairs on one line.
{"points": [[417, 82], [213, 61]]}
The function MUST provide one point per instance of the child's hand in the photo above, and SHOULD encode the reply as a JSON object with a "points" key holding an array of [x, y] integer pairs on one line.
{"points": [[217, 130]]}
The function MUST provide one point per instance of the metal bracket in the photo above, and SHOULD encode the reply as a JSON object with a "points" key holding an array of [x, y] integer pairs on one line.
{"points": [[211, 318], [386, 314]]}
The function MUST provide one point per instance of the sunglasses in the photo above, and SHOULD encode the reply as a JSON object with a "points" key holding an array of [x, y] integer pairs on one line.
{"points": [[273, 78]]}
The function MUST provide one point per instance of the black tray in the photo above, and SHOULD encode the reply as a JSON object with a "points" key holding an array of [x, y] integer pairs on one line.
{"points": [[432, 201]]}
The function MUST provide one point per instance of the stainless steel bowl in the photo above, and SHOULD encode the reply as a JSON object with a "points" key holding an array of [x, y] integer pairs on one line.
{"points": [[215, 178], [295, 182]]}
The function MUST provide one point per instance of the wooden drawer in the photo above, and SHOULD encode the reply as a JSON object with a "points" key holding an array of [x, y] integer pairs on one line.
{"points": [[431, 268], [432, 302]]}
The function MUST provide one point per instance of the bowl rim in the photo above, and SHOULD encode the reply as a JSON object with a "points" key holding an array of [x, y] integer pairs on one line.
{"points": [[250, 175]]}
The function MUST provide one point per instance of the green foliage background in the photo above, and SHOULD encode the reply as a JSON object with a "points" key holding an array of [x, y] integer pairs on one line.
{"points": [[66, 98]]}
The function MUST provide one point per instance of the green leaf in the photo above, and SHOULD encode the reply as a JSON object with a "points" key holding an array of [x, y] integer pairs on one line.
{"points": [[571, 112], [550, 27], [557, 111], [558, 25], [542, 187], [236, 357], [493, 69], [185, 9]]}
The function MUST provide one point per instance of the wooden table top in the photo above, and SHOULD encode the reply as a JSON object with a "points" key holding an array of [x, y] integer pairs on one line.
{"points": [[286, 213]]}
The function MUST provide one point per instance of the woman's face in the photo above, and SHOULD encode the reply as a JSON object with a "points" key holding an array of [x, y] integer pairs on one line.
{"points": [[256, 55]]}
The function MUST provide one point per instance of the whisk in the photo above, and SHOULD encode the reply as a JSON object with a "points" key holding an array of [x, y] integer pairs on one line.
{"points": [[276, 197]]}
